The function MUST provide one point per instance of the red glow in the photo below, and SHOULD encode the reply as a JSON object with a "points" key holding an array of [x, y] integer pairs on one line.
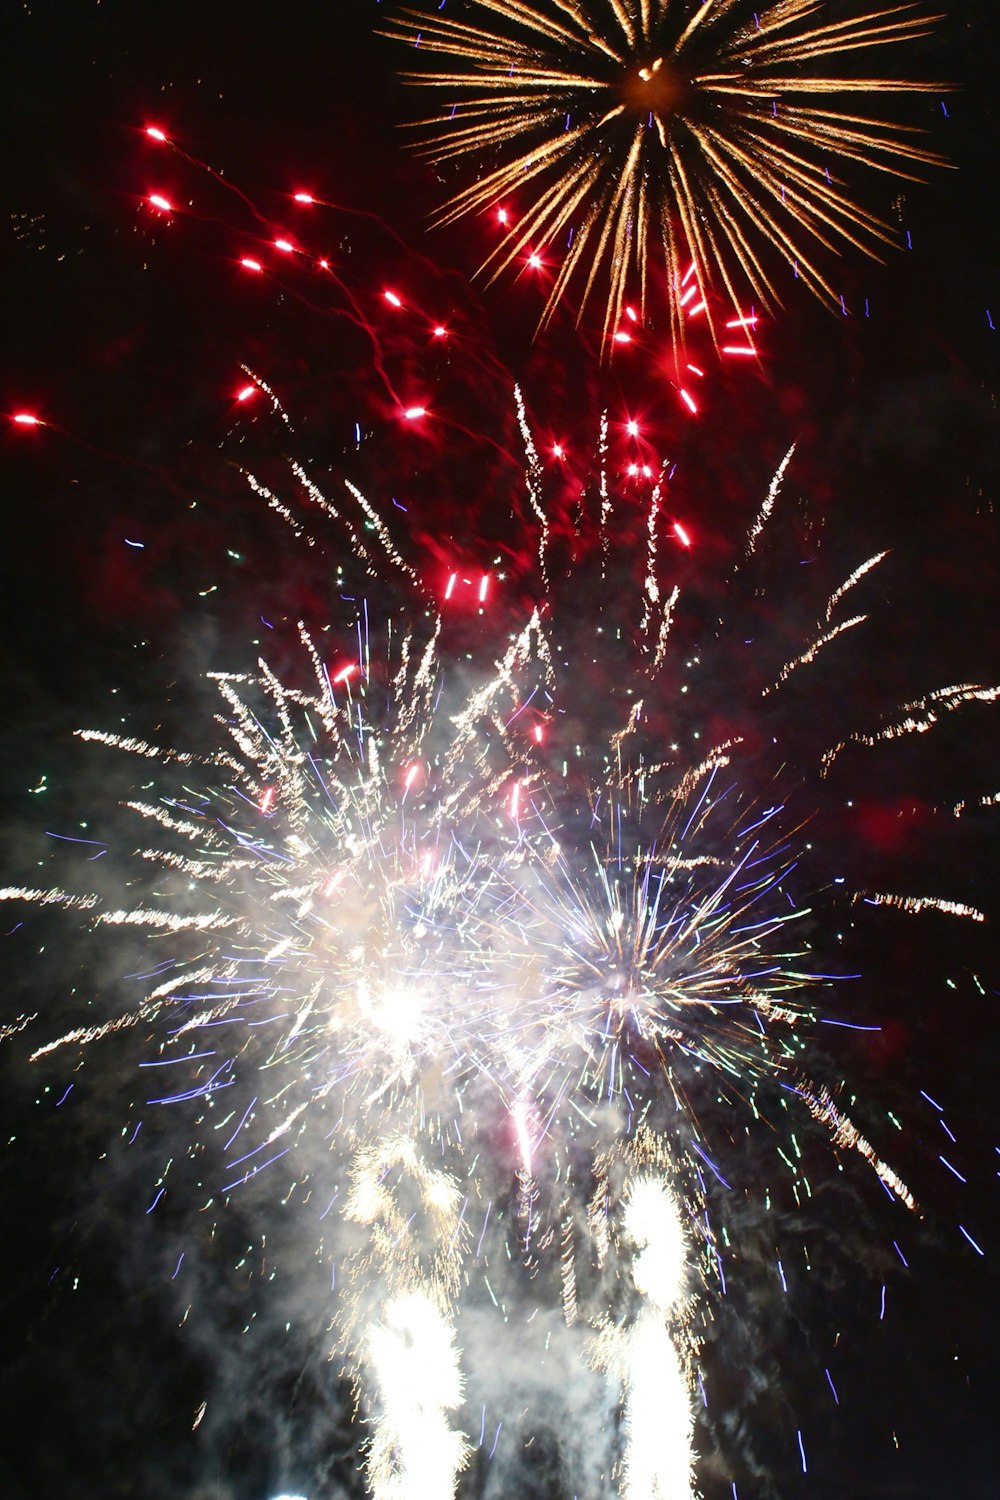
{"points": [[623, 338], [304, 198], [345, 672], [695, 371], [246, 393], [890, 823], [631, 314], [688, 274], [738, 349], [267, 799], [632, 427], [684, 537], [535, 261], [412, 413], [692, 291], [158, 201], [250, 265], [539, 734], [393, 299], [27, 419], [155, 133], [748, 322], [558, 451], [689, 402], [284, 245], [324, 265], [451, 586], [699, 307], [502, 215], [484, 584], [440, 331], [632, 470]]}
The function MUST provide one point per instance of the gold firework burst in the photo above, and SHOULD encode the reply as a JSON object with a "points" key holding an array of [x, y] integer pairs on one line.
{"points": [[704, 128]]}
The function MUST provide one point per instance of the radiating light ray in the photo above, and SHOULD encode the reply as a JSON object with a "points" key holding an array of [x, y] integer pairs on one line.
{"points": [[918, 716], [813, 650], [849, 583], [915, 904], [54, 896], [991, 799], [845, 1133]]}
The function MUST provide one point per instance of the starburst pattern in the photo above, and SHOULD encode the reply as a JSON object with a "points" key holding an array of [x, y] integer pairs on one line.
{"points": [[709, 132]]}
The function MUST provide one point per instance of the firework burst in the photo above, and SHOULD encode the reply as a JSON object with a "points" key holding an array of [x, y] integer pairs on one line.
{"points": [[715, 132], [510, 954]]}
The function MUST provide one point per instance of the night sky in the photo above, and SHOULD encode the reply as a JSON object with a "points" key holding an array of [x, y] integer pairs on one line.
{"points": [[134, 559]]}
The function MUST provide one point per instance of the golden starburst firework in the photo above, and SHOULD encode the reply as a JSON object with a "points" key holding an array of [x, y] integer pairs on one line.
{"points": [[711, 130]]}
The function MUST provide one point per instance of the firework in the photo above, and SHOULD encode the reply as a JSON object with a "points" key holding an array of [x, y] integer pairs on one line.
{"points": [[715, 132], [500, 950]]}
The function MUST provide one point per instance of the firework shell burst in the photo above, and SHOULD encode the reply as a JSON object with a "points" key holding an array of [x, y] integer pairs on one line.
{"points": [[511, 954], [609, 133]]}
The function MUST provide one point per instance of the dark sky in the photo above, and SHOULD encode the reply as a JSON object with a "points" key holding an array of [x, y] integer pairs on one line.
{"points": [[127, 334]]}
